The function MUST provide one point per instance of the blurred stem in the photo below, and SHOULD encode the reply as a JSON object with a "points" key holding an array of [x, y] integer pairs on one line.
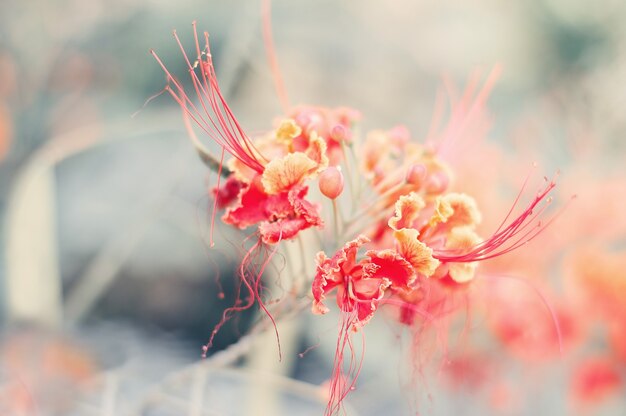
{"points": [[102, 271], [336, 219]]}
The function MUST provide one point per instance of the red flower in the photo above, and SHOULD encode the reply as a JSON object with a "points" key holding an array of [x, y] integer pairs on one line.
{"points": [[280, 216], [334, 125], [360, 284], [228, 192], [594, 380]]}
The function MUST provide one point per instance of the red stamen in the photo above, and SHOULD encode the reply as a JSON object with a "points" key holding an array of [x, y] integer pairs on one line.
{"points": [[215, 201], [213, 115], [250, 276], [508, 239], [343, 382], [271, 55]]}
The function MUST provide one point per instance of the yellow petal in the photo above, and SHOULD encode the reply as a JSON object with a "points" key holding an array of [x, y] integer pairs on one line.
{"points": [[287, 131], [317, 151], [456, 210], [443, 211], [462, 239], [462, 272], [408, 208], [416, 252], [283, 173]]}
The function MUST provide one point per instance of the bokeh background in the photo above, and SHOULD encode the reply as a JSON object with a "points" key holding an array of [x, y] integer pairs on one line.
{"points": [[107, 286]]}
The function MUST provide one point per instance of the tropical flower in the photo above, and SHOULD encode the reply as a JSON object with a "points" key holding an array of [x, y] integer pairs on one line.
{"points": [[409, 234]]}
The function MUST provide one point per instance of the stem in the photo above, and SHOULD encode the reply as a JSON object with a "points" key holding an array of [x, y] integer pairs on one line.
{"points": [[336, 219], [349, 173], [371, 205]]}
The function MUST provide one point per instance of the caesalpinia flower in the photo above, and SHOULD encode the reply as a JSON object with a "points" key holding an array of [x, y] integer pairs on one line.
{"points": [[435, 235], [407, 227], [360, 283]]}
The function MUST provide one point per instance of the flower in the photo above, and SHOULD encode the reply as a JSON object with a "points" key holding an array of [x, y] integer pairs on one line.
{"points": [[360, 284], [279, 216], [412, 240]]}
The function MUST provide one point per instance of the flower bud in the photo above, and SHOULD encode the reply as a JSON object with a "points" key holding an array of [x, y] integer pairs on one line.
{"points": [[399, 136], [437, 183], [416, 174], [339, 133], [331, 182]]}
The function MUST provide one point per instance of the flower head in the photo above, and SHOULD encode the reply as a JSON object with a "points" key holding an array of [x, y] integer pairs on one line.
{"points": [[410, 240]]}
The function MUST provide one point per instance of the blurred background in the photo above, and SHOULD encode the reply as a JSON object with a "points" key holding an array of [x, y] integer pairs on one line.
{"points": [[107, 286]]}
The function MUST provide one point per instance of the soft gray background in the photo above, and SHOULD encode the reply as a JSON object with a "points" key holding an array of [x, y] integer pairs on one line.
{"points": [[130, 192]]}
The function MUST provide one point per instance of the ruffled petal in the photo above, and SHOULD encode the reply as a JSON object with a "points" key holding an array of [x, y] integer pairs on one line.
{"points": [[408, 208], [462, 239], [327, 277], [456, 210], [443, 211], [365, 296], [287, 131], [228, 192], [250, 209], [303, 208], [416, 252], [274, 232], [317, 152], [346, 257], [283, 173], [393, 267]]}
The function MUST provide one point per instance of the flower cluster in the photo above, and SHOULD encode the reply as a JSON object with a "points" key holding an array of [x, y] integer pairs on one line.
{"points": [[399, 224]]}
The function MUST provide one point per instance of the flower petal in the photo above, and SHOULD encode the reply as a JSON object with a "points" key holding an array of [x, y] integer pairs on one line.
{"points": [[303, 208], [456, 210], [443, 211], [393, 267], [284, 229], [250, 209], [228, 192], [364, 297], [462, 239], [415, 252], [317, 152], [287, 131], [283, 173], [408, 208], [327, 277]]}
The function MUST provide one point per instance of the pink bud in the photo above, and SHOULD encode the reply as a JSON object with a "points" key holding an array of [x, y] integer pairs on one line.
{"points": [[340, 133], [437, 183], [416, 174], [303, 119], [399, 135], [331, 182]]}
